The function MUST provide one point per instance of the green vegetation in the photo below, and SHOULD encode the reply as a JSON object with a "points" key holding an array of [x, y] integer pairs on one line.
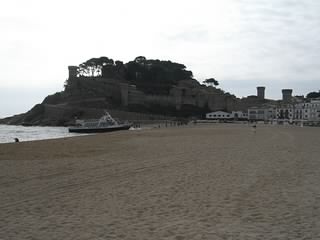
{"points": [[155, 76], [150, 76], [313, 95], [211, 82]]}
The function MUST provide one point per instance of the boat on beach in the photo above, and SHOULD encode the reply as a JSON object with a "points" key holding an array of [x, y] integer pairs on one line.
{"points": [[105, 124]]}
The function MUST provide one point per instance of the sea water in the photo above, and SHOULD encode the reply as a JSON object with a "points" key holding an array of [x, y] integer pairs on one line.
{"points": [[9, 132]]}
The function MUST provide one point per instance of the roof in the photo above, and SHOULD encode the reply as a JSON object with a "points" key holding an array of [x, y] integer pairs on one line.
{"points": [[219, 112]]}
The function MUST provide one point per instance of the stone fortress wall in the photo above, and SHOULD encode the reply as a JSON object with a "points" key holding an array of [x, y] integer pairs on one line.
{"points": [[188, 92]]}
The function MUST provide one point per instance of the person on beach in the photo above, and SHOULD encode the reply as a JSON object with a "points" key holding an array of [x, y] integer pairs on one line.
{"points": [[254, 127], [16, 139]]}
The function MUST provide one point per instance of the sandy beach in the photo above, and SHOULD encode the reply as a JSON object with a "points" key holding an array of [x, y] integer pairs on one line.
{"points": [[214, 181]]}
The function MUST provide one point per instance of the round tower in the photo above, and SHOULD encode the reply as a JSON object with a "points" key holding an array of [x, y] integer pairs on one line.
{"points": [[73, 71], [286, 95], [260, 92]]}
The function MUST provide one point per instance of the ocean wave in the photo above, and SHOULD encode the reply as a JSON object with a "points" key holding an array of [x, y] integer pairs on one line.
{"points": [[8, 133]]}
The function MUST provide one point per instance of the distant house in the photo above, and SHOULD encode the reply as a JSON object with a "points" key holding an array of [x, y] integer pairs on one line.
{"points": [[239, 115], [221, 115], [218, 115], [307, 111], [303, 111], [261, 114], [285, 112]]}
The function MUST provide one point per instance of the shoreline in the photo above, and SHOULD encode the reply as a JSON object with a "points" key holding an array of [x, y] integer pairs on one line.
{"points": [[148, 126], [138, 126]]}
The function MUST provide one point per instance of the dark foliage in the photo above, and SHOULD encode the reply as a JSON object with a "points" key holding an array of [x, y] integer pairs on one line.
{"points": [[150, 76], [211, 82], [155, 76], [313, 94]]}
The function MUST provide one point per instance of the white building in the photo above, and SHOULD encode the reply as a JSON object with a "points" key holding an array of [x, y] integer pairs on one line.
{"points": [[286, 112], [261, 114], [303, 111], [307, 111], [221, 115], [218, 115], [239, 115], [289, 112]]}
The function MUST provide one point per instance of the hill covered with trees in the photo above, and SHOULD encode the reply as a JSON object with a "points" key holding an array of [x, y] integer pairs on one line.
{"points": [[145, 86], [150, 76]]}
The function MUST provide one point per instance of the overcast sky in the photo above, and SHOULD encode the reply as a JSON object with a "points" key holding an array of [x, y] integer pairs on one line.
{"points": [[241, 43]]}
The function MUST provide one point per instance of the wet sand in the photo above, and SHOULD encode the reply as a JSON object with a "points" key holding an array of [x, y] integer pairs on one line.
{"points": [[191, 182]]}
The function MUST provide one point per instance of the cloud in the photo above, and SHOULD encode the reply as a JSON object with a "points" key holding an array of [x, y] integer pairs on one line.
{"points": [[195, 34], [249, 42]]}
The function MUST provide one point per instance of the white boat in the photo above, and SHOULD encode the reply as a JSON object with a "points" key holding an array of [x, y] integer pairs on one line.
{"points": [[105, 124]]}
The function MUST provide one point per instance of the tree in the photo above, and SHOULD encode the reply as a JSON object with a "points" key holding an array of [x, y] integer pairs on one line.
{"points": [[140, 59], [89, 68], [154, 76], [94, 66], [313, 94], [211, 82], [104, 61]]}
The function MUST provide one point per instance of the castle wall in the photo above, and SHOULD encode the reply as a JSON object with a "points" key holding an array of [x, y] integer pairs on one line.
{"points": [[176, 93], [186, 93], [230, 103], [85, 87], [131, 95], [188, 97], [216, 102], [124, 90], [165, 101], [201, 100], [135, 96]]}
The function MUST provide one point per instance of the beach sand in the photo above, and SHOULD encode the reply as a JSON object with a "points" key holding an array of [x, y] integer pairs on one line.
{"points": [[193, 182]]}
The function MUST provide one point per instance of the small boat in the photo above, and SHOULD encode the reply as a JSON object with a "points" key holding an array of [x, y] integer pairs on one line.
{"points": [[105, 124]]}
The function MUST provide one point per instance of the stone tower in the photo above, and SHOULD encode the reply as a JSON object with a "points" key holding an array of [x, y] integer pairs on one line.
{"points": [[286, 95], [73, 71], [260, 93]]}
